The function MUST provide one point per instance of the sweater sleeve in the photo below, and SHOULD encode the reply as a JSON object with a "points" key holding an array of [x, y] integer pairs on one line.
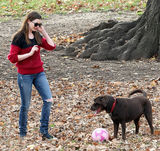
{"points": [[46, 46], [13, 55]]}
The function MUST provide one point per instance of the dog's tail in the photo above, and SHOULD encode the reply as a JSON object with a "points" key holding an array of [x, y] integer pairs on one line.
{"points": [[138, 91]]}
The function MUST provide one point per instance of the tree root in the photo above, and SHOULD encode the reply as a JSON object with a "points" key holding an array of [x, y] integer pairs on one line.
{"points": [[125, 40]]}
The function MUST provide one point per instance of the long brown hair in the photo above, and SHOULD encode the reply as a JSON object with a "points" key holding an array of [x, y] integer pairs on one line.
{"points": [[25, 27]]}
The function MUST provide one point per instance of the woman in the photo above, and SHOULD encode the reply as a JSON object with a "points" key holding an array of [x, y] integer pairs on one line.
{"points": [[25, 53]]}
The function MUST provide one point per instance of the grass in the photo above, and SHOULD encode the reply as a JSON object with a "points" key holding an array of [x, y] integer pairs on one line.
{"points": [[16, 8]]}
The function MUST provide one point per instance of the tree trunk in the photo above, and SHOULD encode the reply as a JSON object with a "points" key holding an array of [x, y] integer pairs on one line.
{"points": [[122, 41]]}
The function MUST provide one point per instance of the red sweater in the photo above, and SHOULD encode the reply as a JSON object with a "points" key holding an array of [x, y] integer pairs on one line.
{"points": [[33, 64]]}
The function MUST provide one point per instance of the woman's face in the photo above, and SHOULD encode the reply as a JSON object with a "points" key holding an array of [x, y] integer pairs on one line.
{"points": [[35, 24]]}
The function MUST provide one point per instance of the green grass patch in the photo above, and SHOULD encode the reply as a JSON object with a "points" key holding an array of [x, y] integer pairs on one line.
{"points": [[21, 8]]}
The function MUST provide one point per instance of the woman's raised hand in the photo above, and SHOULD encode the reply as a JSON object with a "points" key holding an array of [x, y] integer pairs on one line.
{"points": [[33, 50]]}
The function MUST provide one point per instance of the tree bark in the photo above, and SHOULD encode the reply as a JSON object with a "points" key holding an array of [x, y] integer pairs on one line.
{"points": [[122, 41]]}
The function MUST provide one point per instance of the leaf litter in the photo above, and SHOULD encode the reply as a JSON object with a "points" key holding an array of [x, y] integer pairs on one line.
{"points": [[72, 121]]}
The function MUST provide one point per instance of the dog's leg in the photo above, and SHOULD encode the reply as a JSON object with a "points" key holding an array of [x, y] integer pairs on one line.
{"points": [[149, 120], [148, 116], [123, 124], [136, 122], [116, 126]]}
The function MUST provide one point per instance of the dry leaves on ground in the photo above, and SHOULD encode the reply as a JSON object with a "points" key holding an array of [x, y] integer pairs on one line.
{"points": [[71, 120]]}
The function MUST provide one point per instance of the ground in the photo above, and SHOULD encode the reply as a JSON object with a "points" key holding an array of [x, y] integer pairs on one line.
{"points": [[75, 83]]}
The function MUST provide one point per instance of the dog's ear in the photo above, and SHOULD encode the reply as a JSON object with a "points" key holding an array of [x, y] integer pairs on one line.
{"points": [[103, 100], [98, 100]]}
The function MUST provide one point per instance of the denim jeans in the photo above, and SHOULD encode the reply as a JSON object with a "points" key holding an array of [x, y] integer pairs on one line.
{"points": [[40, 82]]}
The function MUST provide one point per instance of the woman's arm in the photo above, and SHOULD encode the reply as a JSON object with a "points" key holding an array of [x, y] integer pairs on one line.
{"points": [[46, 36], [27, 55]]}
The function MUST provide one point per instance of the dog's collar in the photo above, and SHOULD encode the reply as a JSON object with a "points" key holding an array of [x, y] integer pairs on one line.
{"points": [[113, 106]]}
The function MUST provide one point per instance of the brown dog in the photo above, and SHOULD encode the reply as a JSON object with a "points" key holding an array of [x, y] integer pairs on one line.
{"points": [[123, 110]]}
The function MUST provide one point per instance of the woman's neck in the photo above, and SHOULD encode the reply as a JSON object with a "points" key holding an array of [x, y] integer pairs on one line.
{"points": [[31, 35]]}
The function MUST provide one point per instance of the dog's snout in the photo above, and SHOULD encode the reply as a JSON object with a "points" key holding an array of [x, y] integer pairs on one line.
{"points": [[93, 108]]}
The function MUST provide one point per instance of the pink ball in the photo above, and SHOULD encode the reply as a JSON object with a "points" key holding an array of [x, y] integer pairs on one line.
{"points": [[100, 134]]}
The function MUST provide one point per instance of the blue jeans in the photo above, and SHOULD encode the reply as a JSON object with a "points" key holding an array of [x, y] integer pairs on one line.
{"points": [[25, 85]]}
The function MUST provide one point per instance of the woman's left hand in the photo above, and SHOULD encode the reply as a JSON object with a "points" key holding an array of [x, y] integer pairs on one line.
{"points": [[45, 35], [41, 29]]}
